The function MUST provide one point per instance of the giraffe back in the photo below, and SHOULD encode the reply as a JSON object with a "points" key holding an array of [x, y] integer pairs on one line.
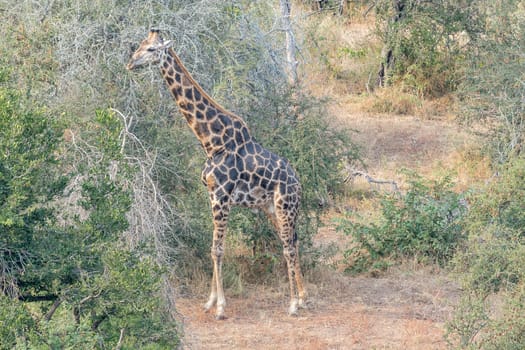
{"points": [[254, 177]]}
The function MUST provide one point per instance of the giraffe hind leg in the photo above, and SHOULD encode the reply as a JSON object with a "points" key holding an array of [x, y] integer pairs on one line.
{"points": [[212, 300], [298, 293], [299, 280], [295, 278], [291, 258], [284, 218]]}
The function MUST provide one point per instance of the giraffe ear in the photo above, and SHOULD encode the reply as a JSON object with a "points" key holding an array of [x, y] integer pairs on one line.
{"points": [[166, 44], [153, 33]]}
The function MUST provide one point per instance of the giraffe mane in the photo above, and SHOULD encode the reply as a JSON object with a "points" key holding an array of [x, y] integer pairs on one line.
{"points": [[201, 90]]}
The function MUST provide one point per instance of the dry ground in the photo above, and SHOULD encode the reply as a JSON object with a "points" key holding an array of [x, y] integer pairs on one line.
{"points": [[399, 311]]}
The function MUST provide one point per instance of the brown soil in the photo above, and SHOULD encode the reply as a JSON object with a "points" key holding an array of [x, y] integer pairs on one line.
{"points": [[398, 311]]}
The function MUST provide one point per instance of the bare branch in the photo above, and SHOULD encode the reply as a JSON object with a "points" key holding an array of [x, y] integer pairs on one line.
{"points": [[372, 5], [52, 310], [120, 339], [352, 174], [12, 263]]}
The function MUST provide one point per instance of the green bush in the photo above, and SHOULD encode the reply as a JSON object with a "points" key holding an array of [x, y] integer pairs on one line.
{"points": [[117, 288], [29, 178], [490, 267], [424, 223]]}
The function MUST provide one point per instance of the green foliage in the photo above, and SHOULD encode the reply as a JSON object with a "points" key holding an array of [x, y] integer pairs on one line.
{"points": [[116, 293], [468, 319], [29, 178], [424, 224], [350, 52], [16, 323], [428, 41], [491, 266], [124, 298]]}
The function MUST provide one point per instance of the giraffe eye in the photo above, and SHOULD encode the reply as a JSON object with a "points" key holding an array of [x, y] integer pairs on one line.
{"points": [[151, 49]]}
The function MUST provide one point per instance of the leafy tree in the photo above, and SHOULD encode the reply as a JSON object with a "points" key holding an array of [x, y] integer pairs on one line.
{"points": [[29, 179], [16, 322]]}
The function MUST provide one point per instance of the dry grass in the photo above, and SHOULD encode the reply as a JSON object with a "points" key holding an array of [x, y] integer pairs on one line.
{"points": [[340, 57], [409, 136], [401, 311]]}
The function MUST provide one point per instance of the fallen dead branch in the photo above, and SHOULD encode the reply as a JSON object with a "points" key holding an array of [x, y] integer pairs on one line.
{"points": [[377, 184]]}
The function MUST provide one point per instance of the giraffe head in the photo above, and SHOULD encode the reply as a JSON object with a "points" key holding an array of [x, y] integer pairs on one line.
{"points": [[149, 50]]}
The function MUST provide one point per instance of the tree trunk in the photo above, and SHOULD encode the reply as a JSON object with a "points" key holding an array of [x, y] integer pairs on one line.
{"points": [[341, 7], [387, 57], [385, 65], [291, 69]]}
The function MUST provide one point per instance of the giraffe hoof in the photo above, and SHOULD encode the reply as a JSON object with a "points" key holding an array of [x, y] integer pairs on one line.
{"points": [[292, 311], [210, 303], [207, 307], [304, 304], [220, 317]]}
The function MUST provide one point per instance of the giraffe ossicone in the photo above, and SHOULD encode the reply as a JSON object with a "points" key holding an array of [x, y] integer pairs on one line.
{"points": [[238, 170]]}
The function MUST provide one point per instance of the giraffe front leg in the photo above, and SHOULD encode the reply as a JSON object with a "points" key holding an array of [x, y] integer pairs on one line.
{"points": [[217, 254], [220, 219]]}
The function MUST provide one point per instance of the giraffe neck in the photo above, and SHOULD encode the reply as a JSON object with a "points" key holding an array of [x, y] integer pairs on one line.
{"points": [[216, 128]]}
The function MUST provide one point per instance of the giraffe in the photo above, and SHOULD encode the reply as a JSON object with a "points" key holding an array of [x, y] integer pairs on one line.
{"points": [[238, 170]]}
